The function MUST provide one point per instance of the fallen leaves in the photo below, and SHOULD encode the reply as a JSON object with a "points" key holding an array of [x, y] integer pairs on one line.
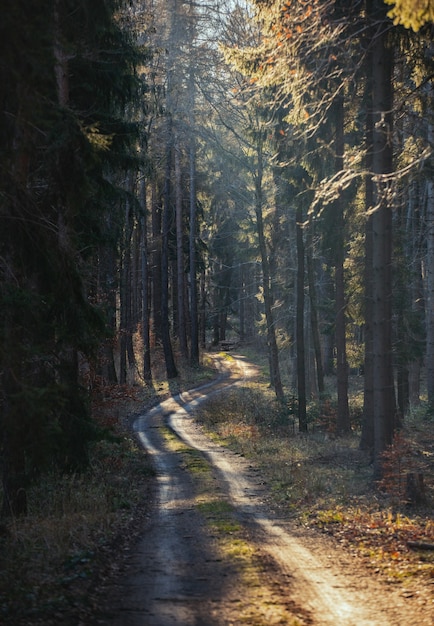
{"points": [[391, 543]]}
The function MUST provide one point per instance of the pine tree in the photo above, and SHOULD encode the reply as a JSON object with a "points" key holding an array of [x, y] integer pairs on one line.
{"points": [[69, 71]]}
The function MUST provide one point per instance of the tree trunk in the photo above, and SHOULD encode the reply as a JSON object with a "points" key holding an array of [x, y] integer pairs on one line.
{"points": [[382, 163], [194, 340], [156, 272], [301, 358], [367, 436], [171, 370], [268, 296], [202, 309], [147, 371], [343, 416], [125, 299], [107, 289], [314, 313], [429, 298], [182, 330]]}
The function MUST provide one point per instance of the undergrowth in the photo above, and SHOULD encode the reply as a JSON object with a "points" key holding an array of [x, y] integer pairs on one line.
{"points": [[52, 559], [49, 559], [326, 482]]}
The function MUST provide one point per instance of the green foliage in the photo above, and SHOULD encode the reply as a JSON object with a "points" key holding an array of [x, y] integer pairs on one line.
{"points": [[62, 142]]}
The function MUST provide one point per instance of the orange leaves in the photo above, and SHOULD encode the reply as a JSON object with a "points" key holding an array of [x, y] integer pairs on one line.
{"points": [[308, 12], [384, 539]]}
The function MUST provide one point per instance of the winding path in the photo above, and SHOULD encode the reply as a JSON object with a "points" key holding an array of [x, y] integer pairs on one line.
{"points": [[178, 578]]}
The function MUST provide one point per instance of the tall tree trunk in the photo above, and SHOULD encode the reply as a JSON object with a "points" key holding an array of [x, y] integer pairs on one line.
{"points": [[125, 300], [382, 163], [300, 343], [61, 57], [156, 272], [413, 226], [343, 416], [194, 340], [268, 296], [147, 371], [171, 370], [107, 287], [180, 274], [241, 310], [314, 312], [429, 298], [202, 309], [367, 436]]}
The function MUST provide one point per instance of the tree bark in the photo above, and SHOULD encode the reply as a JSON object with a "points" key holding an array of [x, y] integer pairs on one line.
{"points": [[314, 313], [125, 339], [367, 435], [343, 416], [300, 343], [429, 298], [268, 296], [147, 370], [171, 369], [180, 274], [156, 271], [194, 340], [382, 162]]}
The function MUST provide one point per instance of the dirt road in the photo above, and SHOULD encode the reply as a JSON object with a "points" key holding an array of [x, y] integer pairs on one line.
{"points": [[226, 558]]}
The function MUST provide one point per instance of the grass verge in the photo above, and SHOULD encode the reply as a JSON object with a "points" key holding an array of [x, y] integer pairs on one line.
{"points": [[49, 561], [79, 526], [326, 482]]}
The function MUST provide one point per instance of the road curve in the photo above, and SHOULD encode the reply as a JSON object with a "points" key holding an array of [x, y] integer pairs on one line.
{"points": [[177, 579]]}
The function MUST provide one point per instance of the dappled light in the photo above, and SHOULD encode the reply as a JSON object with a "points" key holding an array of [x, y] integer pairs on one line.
{"points": [[216, 312]]}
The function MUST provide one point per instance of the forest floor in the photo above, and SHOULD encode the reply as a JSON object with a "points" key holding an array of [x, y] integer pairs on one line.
{"points": [[221, 528]]}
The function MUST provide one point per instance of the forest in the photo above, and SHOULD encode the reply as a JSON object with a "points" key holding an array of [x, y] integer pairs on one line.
{"points": [[183, 175]]}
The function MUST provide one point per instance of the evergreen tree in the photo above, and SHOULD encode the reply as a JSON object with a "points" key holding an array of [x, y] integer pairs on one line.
{"points": [[69, 71]]}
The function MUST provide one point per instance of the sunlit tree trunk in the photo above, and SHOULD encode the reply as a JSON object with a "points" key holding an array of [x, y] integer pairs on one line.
{"points": [[300, 343], [194, 313], [180, 273], [202, 309], [268, 297], [384, 406], [126, 352], [314, 312], [343, 416]]}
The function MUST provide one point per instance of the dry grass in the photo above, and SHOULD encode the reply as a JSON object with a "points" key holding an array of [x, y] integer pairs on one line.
{"points": [[48, 560], [325, 481], [78, 525]]}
